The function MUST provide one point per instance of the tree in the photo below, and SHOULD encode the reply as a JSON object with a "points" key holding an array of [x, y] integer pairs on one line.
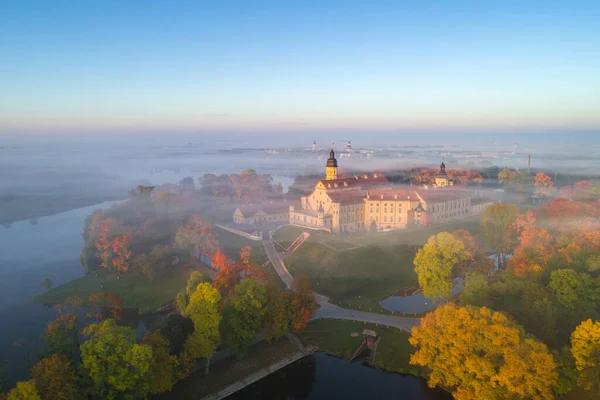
{"points": [[507, 176], [196, 233], [542, 183], [277, 313], [56, 378], [574, 290], [476, 291], [153, 264], [176, 330], [477, 353], [24, 391], [243, 316], [301, 302], [182, 302], [116, 364], [496, 221], [47, 284], [164, 372], [436, 262], [585, 347], [203, 309]]}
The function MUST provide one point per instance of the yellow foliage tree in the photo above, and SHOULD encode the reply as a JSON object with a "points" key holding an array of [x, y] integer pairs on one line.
{"points": [[585, 347], [478, 353], [436, 262]]}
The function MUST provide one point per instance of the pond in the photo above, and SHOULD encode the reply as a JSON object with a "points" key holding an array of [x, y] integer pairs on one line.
{"points": [[321, 376], [416, 303]]}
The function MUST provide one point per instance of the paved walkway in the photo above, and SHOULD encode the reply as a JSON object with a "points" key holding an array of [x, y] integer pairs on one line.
{"points": [[328, 310]]}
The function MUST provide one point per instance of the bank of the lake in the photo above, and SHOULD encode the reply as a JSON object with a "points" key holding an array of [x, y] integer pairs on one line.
{"points": [[29, 253]]}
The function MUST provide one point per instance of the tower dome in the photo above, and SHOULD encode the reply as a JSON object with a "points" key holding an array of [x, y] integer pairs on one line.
{"points": [[331, 162], [331, 166]]}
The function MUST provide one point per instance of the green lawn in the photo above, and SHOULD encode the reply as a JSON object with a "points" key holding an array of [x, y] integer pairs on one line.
{"points": [[231, 244], [134, 291], [333, 337], [362, 275], [230, 370], [417, 235]]}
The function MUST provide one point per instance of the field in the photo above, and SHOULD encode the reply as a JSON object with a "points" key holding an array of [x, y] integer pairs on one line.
{"points": [[358, 270], [230, 370], [134, 291], [333, 337]]}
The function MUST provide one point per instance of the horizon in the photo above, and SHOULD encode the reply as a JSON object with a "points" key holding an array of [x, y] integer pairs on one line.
{"points": [[304, 67]]}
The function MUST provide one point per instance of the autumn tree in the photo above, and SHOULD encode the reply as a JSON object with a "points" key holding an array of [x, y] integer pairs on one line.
{"points": [[164, 372], [507, 176], [114, 361], [496, 221], [61, 336], [436, 262], [243, 316], [56, 378], [302, 302], [203, 309], [114, 245], [543, 184], [477, 353], [24, 391], [196, 235], [585, 347]]}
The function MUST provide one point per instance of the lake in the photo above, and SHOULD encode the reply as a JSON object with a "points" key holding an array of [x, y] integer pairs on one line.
{"points": [[29, 253], [320, 377]]}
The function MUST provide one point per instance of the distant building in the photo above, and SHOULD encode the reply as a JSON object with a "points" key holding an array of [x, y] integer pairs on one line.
{"points": [[250, 214], [370, 202]]}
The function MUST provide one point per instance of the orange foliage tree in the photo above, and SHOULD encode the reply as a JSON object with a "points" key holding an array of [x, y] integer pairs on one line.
{"points": [[543, 184], [535, 247], [114, 245]]}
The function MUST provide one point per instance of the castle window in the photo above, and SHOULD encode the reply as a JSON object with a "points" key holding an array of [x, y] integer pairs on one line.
{"points": [[384, 219], [371, 209], [377, 209], [399, 219]]}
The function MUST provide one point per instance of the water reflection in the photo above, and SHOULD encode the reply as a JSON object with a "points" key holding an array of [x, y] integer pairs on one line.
{"points": [[324, 377]]}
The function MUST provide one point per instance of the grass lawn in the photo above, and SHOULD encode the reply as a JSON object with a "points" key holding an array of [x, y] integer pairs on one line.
{"points": [[333, 337], [231, 244], [286, 235], [359, 276], [134, 291], [230, 370], [417, 235]]}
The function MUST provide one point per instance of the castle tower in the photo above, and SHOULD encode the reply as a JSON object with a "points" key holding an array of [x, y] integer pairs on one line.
{"points": [[331, 167], [441, 179], [314, 146]]}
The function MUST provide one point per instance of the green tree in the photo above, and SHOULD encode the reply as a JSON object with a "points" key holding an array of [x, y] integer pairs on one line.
{"points": [[116, 364], [574, 290], [585, 347], [496, 221], [182, 302], [153, 264], [476, 291], [164, 372], [243, 316], [277, 313], [203, 309], [56, 379], [24, 391], [47, 284], [435, 264], [193, 281]]}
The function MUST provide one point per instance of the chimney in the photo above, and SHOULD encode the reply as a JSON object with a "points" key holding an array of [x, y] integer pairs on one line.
{"points": [[368, 195], [365, 176], [381, 197], [396, 196]]}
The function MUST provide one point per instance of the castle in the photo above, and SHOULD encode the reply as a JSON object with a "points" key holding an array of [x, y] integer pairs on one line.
{"points": [[370, 202]]}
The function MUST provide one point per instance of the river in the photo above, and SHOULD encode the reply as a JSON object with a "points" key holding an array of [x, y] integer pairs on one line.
{"points": [[29, 253], [320, 377]]}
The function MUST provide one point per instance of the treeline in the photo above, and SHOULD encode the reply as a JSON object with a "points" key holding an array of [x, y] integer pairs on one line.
{"points": [[247, 186], [110, 363], [528, 326]]}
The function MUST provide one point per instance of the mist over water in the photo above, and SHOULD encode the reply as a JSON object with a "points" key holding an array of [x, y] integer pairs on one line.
{"points": [[104, 167]]}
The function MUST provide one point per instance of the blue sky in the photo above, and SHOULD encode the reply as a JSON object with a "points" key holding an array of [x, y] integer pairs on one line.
{"points": [[287, 66]]}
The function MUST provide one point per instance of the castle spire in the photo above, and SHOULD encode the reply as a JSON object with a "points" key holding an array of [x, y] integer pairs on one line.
{"points": [[331, 166]]}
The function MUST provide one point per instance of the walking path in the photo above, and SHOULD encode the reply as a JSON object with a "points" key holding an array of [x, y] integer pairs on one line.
{"points": [[328, 310]]}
